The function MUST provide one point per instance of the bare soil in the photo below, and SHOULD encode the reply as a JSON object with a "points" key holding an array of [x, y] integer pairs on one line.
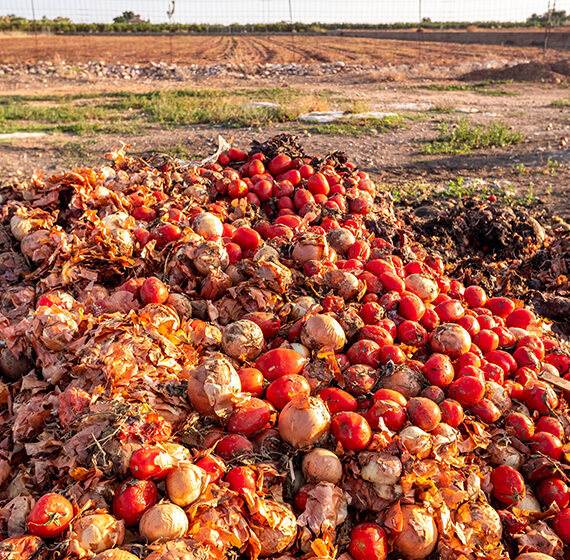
{"points": [[537, 169]]}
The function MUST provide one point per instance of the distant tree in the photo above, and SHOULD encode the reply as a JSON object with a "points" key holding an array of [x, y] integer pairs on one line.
{"points": [[554, 17], [128, 17]]}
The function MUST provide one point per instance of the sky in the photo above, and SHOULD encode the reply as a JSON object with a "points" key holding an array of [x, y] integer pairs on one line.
{"points": [[267, 11]]}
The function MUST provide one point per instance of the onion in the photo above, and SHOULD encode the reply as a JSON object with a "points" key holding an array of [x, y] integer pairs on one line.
{"points": [[344, 284], [208, 225], [480, 523], [181, 304], [322, 465], [275, 528], [36, 245], [185, 483], [529, 502], [58, 327], [163, 522], [405, 380], [98, 532], [20, 227], [340, 239], [380, 468], [115, 554], [534, 556], [210, 255], [266, 253], [242, 340], [211, 386], [498, 395], [304, 422], [322, 331], [423, 286], [501, 453], [418, 537], [518, 333], [416, 441], [450, 339], [301, 306], [176, 451], [310, 247]]}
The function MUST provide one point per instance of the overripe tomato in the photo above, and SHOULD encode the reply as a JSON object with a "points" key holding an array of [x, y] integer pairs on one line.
{"points": [[153, 291], [281, 391], [338, 400], [561, 524], [241, 478], [150, 462], [133, 498], [547, 444], [393, 415], [553, 490], [451, 412], [280, 361], [519, 425], [466, 390], [390, 395], [550, 425], [50, 516], [251, 381], [508, 485], [213, 465], [351, 430], [368, 541], [438, 370], [251, 417], [541, 397], [232, 446], [423, 413]]}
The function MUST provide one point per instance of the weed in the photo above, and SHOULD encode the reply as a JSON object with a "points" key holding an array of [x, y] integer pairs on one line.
{"points": [[358, 127], [462, 138], [479, 87], [560, 103]]}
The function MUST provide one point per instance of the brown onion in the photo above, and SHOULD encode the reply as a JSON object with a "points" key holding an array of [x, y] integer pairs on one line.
{"points": [[380, 468], [450, 339], [276, 528], [181, 304], [98, 532], [208, 225], [344, 284], [416, 441], [212, 385], [210, 254], [20, 227], [185, 483], [300, 307], [422, 286], [322, 465], [481, 522], [14, 368], [322, 331], [501, 453], [418, 537], [310, 247], [304, 423], [242, 340], [163, 522], [405, 380], [534, 556], [529, 502], [340, 239]]}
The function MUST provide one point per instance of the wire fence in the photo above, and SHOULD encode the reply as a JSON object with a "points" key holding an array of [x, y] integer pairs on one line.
{"points": [[227, 12]]}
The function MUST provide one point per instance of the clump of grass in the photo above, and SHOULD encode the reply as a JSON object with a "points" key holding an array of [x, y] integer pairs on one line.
{"points": [[358, 126], [463, 137], [479, 87], [560, 103]]}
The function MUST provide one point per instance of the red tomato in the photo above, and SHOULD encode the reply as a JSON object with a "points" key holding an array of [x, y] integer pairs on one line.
{"points": [[133, 498], [150, 462], [351, 430], [550, 425], [246, 238], [553, 490], [411, 307], [438, 370], [280, 361], [241, 478], [451, 412], [236, 155], [412, 334], [423, 413], [165, 234], [360, 379], [251, 417], [561, 524], [392, 353], [50, 516], [267, 322], [430, 320], [486, 411], [466, 390], [475, 296], [279, 164], [547, 444], [508, 485], [487, 340], [500, 306], [364, 352], [281, 391], [232, 446], [521, 318], [390, 395], [213, 466], [251, 381], [377, 334], [540, 396], [393, 415], [144, 213], [519, 425], [153, 291], [450, 311], [318, 184], [338, 400], [433, 393], [368, 541]]}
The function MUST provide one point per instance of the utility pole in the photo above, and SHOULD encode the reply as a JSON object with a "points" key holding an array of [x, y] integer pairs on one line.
{"points": [[420, 11]]}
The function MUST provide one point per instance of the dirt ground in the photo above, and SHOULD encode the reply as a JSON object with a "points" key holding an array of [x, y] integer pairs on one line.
{"points": [[537, 169]]}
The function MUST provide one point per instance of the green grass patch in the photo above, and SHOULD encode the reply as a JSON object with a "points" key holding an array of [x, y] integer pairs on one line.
{"points": [[463, 137], [358, 127], [560, 103], [130, 113], [479, 87]]}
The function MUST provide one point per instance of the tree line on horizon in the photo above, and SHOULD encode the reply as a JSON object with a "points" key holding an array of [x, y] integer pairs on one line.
{"points": [[130, 22]]}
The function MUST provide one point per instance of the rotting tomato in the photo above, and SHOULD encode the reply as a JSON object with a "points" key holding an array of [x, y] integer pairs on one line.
{"points": [[519, 425], [150, 462], [423, 413], [338, 400], [393, 415], [438, 370], [133, 498], [233, 445], [561, 524], [508, 485], [284, 388], [553, 490], [451, 413], [280, 361], [546, 444], [213, 465], [539, 396], [550, 425], [466, 390], [251, 417], [368, 541], [241, 479], [153, 290], [351, 430], [251, 381], [50, 516]]}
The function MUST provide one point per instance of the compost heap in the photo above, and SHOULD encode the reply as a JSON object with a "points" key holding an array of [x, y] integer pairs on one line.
{"points": [[255, 358]]}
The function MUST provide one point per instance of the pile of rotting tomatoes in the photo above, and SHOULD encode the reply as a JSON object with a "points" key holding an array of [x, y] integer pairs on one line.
{"points": [[254, 358]]}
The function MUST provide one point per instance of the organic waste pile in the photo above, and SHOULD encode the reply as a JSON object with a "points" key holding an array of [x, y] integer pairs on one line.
{"points": [[255, 357]]}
